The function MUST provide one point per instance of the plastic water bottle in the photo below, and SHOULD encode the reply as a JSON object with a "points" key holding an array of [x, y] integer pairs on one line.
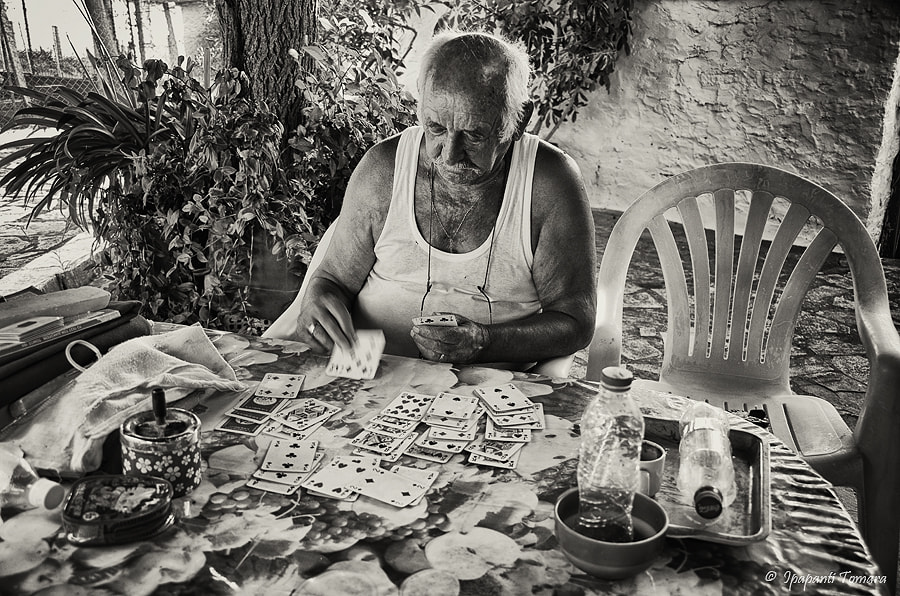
{"points": [[706, 472], [612, 429], [20, 486]]}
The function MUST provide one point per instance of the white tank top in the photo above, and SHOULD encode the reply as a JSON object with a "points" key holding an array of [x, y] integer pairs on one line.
{"points": [[392, 294]]}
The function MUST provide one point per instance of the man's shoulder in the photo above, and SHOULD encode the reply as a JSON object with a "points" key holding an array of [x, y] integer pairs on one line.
{"points": [[382, 153], [554, 163]]}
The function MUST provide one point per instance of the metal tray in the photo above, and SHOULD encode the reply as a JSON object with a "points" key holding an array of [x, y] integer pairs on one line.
{"points": [[748, 519]]}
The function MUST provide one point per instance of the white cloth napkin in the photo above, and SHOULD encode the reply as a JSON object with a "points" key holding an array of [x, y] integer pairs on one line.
{"points": [[67, 434]]}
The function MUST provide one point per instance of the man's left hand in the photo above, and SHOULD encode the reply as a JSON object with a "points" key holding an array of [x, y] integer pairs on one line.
{"points": [[460, 345]]}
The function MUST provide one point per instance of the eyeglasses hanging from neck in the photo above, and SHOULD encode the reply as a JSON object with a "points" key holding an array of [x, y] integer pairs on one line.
{"points": [[481, 288]]}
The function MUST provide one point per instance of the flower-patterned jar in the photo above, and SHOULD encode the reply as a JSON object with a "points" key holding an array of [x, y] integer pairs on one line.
{"points": [[170, 451]]}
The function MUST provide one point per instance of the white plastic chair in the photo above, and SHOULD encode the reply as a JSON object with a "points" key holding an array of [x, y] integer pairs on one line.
{"points": [[285, 325], [726, 344]]}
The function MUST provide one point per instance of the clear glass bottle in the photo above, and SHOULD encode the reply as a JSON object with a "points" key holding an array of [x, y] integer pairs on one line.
{"points": [[612, 428], [706, 472], [20, 486]]}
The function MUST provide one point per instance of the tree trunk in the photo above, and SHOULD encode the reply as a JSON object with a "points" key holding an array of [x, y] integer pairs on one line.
{"points": [[139, 25], [10, 53], [257, 35], [101, 14]]}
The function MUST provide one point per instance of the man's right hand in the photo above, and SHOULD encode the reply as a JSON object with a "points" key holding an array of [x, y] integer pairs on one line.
{"points": [[324, 319]]}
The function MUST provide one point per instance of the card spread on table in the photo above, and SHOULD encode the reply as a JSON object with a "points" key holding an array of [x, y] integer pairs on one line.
{"points": [[533, 419], [503, 398], [449, 405], [440, 432], [289, 478], [249, 415], [334, 478], [276, 429], [271, 486], [498, 450], [510, 464], [395, 453], [360, 361], [393, 422], [282, 386], [375, 442], [408, 406], [498, 433], [290, 456], [240, 426], [437, 320], [448, 445], [307, 412], [434, 455], [388, 487], [260, 403]]}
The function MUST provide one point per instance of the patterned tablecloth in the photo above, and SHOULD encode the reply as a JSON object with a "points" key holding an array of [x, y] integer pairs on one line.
{"points": [[478, 531]]}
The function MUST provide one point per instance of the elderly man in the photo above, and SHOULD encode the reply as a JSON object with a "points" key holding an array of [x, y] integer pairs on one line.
{"points": [[465, 214]]}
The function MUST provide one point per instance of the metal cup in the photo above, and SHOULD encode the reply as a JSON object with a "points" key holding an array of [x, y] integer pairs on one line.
{"points": [[170, 451]]}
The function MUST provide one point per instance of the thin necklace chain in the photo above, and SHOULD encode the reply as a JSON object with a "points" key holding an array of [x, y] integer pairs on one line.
{"points": [[450, 237]]}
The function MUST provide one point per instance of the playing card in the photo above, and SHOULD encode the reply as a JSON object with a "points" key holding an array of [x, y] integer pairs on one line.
{"points": [[498, 433], [306, 413], [272, 487], [289, 478], [249, 415], [436, 320], [241, 427], [390, 431], [395, 453], [510, 464], [503, 398], [280, 385], [409, 406], [388, 487], [393, 422], [498, 450], [428, 454], [449, 405], [450, 423], [533, 420], [290, 456], [259, 403], [361, 361], [450, 446], [376, 442], [440, 432], [332, 479], [420, 475], [276, 429], [352, 496]]}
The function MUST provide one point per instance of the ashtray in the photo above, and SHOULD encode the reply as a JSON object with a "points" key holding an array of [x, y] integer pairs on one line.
{"points": [[115, 509], [612, 560]]}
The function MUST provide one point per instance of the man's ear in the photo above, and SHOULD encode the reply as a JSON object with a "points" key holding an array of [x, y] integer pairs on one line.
{"points": [[527, 111]]}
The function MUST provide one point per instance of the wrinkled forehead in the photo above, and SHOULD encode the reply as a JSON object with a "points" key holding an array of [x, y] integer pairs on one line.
{"points": [[466, 86]]}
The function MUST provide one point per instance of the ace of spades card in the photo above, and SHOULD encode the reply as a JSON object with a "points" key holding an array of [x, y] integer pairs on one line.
{"points": [[361, 361]]}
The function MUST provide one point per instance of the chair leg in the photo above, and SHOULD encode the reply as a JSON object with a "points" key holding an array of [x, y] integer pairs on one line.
{"points": [[879, 520]]}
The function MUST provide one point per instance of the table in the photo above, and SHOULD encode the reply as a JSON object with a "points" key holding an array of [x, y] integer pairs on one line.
{"points": [[478, 531]]}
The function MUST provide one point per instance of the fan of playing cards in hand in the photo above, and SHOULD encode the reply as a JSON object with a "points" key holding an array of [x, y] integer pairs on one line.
{"points": [[427, 427]]}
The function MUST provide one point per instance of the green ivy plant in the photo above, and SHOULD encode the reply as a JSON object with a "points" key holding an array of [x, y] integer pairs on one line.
{"points": [[172, 178], [352, 95]]}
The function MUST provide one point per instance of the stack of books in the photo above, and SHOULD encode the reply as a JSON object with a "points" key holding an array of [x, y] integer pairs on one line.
{"points": [[28, 335]]}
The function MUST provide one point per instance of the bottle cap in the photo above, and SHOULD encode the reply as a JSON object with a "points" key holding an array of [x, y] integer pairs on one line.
{"points": [[46, 493], [616, 377], [708, 502]]}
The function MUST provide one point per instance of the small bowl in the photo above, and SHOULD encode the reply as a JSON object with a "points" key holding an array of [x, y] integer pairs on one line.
{"points": [[612, 560]]}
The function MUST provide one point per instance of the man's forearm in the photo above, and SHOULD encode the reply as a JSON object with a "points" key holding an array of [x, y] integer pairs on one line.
{"points": [[539, 337]]}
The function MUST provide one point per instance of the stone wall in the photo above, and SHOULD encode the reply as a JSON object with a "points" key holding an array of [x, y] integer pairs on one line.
{"points": [[799, 84]]}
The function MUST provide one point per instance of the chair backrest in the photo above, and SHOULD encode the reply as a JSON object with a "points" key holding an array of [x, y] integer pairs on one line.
{"points": [[732, 328]]}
